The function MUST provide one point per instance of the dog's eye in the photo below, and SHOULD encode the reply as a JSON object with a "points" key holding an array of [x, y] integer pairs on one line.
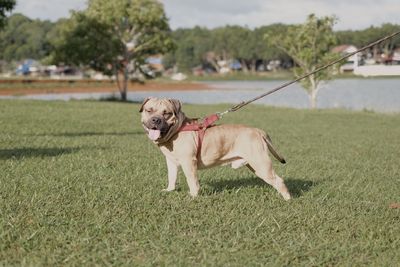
{"points": [[147, 110], [167, 114]]}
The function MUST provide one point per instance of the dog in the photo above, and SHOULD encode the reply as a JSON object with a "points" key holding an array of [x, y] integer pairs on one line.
{"points": [[238, 145]]}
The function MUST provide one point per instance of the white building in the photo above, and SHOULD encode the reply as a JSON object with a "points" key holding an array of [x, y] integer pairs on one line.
{"points": [[352, 62]]}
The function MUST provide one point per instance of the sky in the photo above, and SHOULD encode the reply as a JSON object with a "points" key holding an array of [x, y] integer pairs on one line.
{"points": [[352, 14]]}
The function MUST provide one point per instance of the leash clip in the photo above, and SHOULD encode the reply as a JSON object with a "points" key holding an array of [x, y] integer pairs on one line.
{"points": [[221, 114]]}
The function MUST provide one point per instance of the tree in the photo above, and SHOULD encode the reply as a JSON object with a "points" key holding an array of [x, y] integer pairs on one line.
{"points": [[86, 42], [227, 44], [192, 46], [309, 45], [253, 48], [115, 37], [5, 6], [203, 47], [268, 51], [362, 37], [24, 38]]}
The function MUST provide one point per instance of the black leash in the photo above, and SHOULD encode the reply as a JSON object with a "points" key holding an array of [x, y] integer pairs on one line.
{"points": [[244, 103]]}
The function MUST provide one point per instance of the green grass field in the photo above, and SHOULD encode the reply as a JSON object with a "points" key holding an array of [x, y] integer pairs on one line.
{"points": [[80, 185]]}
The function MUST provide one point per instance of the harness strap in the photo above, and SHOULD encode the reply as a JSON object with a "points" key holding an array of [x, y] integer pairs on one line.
{"points": [[201, 129]]}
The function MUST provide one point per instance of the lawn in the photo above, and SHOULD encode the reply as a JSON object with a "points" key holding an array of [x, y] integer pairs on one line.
{"points": [[80, 185]]}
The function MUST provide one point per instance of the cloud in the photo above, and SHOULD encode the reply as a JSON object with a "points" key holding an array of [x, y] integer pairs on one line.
{"points": [[45, 9], [352, 14]]}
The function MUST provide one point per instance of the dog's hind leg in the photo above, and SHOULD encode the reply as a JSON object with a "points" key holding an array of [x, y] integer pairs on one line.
{"points": [[262, 167]]}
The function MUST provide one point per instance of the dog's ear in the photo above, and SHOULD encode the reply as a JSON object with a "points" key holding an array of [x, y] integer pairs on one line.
{"points": [[176, 104], [144, 103]]}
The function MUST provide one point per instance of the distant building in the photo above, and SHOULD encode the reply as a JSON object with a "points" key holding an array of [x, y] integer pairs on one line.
{"points": [[352, 62], [396, 57], [28, 67], [369, 66]]}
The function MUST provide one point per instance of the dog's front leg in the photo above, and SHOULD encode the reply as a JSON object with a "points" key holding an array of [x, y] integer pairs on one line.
{"points": [[172, 174], [189, 167]]}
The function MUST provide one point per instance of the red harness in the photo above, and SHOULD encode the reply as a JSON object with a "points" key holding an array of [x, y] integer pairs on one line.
{"points": [[201, 129]]}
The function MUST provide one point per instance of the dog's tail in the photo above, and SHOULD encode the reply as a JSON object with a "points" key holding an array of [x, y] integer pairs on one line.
{"points": [[271, 148]]}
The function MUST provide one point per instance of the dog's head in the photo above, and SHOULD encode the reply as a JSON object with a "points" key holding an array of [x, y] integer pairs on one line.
{"points": [[161, 118]]}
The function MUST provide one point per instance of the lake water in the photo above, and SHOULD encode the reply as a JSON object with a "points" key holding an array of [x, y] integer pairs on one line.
{"points": [[382, 95]]}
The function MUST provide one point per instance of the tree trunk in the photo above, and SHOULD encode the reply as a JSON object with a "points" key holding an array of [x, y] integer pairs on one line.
{"points": [[253, 65], [215, 65], [245, 69], [122, 85], [123, 95], [313, 92], [313, 99], [125, 85], [117, 73]]}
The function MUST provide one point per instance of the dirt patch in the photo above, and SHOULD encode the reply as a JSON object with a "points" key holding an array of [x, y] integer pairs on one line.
{"points": [[394, 206], [151, 86]]}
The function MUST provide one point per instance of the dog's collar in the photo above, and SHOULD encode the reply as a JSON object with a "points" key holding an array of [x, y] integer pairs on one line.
{"points": [[201, 128]]}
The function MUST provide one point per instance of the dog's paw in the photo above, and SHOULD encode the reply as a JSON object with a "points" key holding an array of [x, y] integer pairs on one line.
{"points": [[168, 190], [286, 196], [193, 194]]}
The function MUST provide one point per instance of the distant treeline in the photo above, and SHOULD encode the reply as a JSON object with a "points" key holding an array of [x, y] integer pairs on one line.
{"points": [[25, 38], [203, 47]]}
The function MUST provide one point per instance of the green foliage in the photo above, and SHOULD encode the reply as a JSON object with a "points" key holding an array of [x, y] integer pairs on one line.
{"points": [[140, 23], [361, 38], [98, 36], [267, 50], [83, 41], [5, 6], [24, 38], [230, 41], [309, 45], [115, 36], [201, 47], [81, 188], [192, 46]]}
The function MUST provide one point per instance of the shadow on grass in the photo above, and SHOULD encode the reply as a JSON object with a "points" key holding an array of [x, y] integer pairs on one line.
{"points": [[296, 186], [18, 153], [79, 134]]}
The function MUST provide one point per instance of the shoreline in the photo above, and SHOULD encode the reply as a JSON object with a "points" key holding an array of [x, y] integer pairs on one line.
{"points": [[151, 86], [23, 87]]}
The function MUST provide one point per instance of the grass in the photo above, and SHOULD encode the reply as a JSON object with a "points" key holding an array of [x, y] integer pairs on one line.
{"points": [[80, 185]]}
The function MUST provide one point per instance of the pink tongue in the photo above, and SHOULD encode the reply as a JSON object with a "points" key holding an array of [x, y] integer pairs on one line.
{"points": [[154, 134]]}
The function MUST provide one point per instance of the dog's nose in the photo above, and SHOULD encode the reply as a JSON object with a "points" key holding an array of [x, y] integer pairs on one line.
{"points": [[156, 120]]}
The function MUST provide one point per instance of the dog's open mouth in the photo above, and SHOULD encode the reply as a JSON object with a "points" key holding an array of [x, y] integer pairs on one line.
{"points": [[154, 134]]}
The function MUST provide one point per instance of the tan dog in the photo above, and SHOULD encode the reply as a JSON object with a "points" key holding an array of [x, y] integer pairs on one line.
{"points": [[237, 145]]}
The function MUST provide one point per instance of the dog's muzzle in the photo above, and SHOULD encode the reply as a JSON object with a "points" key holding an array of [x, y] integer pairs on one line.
{"points": [[156, 127]]}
